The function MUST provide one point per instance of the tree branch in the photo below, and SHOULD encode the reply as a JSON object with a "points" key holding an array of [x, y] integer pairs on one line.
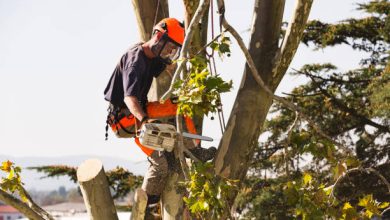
{"points": [[35, 207], [19, 205], [288, 142], [292, 39], [384, 180], [261, 83], [370, 169], [352, 111], [180, 148], [203, 5], [333, 79]]}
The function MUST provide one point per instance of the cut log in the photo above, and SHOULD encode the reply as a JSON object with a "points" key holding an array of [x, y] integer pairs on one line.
{"points": [[140, 201], [96, 192]]}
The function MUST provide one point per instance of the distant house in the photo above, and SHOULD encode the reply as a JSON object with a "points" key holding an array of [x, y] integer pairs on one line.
{"points": [[9, 213], [65, 209]]}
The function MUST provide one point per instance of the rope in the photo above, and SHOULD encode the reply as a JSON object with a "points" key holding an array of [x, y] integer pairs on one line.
{"points": [[221, 117], [156, 13], [212, 20]]}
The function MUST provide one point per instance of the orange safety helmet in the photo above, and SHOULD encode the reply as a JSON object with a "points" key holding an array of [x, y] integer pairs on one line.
{"points": [[173, 28], [171, 33]]}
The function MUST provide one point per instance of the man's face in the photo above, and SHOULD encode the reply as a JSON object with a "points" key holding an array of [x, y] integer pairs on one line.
{"points": [[169, 51], [165, 48]]}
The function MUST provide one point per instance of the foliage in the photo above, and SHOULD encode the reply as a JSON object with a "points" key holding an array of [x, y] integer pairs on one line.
{"points": [[122, 181], [369, 34], [119, 179], [379, 91], [57, 171], [208, 193], [12, 182], [199, 93], [222, 46], [312, 200], [317, 178]]}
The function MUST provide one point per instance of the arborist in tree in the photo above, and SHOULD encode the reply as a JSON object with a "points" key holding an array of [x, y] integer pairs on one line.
{"points": [[129, 109]]}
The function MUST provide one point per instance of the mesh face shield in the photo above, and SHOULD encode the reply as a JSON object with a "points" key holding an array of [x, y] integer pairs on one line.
{"points": [[166, 49]]}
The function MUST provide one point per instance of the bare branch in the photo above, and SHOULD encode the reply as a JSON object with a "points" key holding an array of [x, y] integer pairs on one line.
{"points": [[292, 39], [19, 205], [370, 169], [35, 207], [261, 83], [384, 180], [203, 6], [288, 140], [291, 128], [180, 147], [344, 107]]}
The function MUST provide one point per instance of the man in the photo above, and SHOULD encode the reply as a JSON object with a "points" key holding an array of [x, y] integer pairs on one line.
{"points": [[127, 93]]}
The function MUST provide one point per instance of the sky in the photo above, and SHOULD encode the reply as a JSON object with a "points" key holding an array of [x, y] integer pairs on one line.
{"points": [[56, 57]]}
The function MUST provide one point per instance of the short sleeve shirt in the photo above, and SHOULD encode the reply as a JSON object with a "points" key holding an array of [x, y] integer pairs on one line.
{"points": [[132, 76]]}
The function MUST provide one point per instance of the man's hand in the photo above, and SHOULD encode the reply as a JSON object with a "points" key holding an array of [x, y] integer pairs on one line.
{"points": [[150, 120]]}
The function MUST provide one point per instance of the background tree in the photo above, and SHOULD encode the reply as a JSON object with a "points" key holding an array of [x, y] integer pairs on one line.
{"points": [[120, 180], [353, 108]]}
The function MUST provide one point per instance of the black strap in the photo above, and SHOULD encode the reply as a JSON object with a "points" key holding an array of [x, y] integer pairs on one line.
{"points": [[123, 128]]}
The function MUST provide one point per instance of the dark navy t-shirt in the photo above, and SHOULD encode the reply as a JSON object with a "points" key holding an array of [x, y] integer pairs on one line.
{"points": [[132, 76]]}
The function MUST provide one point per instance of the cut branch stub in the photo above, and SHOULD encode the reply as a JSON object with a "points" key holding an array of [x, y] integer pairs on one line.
{"points": [[96, 192]]}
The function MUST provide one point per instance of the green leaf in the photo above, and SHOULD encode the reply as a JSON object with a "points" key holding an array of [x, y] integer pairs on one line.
{"points": [[347, 206], [11, 174], [365, 201], [339, 170], [307, 178], [224, 48], [384, 205]]}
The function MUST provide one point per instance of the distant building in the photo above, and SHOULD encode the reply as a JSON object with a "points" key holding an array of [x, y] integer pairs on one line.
{"points": [[9, 213], [65, 209]]}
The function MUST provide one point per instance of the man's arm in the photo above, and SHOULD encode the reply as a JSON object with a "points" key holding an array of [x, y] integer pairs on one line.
{"points": [[134, 107]]}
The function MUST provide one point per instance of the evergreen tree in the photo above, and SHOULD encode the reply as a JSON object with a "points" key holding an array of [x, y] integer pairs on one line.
{"points": [[298, 173]]}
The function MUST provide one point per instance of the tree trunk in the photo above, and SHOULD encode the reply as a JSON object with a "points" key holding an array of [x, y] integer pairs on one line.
{"points": [[96, 192], [149, 13], [252, 103], [139, 206], [237, 145], [172, 199]]}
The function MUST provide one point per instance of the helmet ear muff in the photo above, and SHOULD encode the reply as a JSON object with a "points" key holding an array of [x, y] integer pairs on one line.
{"points": [[164, 26]]}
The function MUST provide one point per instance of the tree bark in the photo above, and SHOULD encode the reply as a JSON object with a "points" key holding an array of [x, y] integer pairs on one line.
{"points": [[291, 40], [149, 13], [96, 192], [238, 143], [139, 206], [172, 198], [252, 103]]}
